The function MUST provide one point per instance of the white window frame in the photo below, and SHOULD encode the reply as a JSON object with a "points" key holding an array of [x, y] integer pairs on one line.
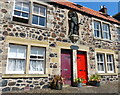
{"points": [[104, 31], [9, 57], [21, 10], [103, 62], [37, 59], [31, 13], [100, 33], [108, 62], [39, 15], [118, 34]]}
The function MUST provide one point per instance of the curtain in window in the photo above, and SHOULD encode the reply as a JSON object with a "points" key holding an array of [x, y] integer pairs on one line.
{"points": [[16, 58], [36, 65], [16, 65]]}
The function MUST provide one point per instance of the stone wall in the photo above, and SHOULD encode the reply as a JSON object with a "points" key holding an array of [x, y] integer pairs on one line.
{"points": [[24, 84], [56, 31], [108, 78]]}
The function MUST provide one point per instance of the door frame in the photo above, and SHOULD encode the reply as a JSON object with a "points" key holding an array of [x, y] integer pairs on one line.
{"points": [[71, 54], [84, 52]]}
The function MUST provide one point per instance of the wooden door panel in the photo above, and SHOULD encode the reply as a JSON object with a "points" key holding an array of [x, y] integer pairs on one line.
{"points": [[66, 67], [82, 66]]}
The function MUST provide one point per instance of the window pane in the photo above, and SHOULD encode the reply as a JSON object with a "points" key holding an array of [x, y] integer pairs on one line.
{"points": [[101, 57], [37, 60], [97, 30], [25, 7], [18, 5], [25, 15], [16, 65], [110, 67], [110, 62], [17, 13], [41, 51], [36, 65], [102, 67], [118, 37], [21, 52], [42, 21], [42, 11], [100, 62], [36, 9], [12, 52], [105, 35], [97, 33], [35, 20], [118, 31], [17, 51], [37, 51]]}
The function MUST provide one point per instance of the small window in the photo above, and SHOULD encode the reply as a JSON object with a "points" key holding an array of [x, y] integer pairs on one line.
{"points": [[39, 15], [106, 32], [16, 59], [100, 63], [110, 63], [97, 29], [21, 11], [37, 60]]}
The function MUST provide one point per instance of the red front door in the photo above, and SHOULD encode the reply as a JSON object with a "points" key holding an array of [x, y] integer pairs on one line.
{"points": [[82, 66], [66, 66]]}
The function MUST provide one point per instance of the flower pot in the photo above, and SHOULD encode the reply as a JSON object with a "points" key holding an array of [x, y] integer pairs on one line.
{"points": [[75, 84], [79, 84], [94, 83], [59, 86]]}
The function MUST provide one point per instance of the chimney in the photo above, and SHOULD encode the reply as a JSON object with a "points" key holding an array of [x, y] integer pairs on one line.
{"points": [[103, 9]]}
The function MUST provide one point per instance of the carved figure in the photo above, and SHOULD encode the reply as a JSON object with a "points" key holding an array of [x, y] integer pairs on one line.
{"points": [[73, 23]]}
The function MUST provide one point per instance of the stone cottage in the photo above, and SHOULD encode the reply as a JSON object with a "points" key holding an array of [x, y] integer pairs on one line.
{"points": [[41, 39]]}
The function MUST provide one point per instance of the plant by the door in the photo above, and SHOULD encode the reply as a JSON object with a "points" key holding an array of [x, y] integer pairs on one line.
{"points": [[57, 82], [95, 80], [79, 81]]}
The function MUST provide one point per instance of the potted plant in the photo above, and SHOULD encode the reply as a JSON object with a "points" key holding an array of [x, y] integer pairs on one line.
{"points": [[79, 81], [57, 82], [94, 80]]}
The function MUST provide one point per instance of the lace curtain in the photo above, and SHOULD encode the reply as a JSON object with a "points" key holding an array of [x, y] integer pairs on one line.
{"points": [[36, 65]]}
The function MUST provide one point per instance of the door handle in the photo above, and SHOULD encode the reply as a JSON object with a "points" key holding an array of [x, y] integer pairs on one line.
{"points": [[80, 70]]}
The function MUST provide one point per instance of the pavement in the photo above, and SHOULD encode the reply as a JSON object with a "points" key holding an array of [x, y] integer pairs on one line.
{"points": [[110, 87]]}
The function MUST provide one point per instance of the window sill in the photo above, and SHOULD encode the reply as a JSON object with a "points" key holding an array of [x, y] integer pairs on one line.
{"points": [[28, 25], [23, 75], [107, 40], [107, 73]]}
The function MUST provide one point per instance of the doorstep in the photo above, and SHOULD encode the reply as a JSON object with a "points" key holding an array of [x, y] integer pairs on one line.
{"points": [[66, 86]]}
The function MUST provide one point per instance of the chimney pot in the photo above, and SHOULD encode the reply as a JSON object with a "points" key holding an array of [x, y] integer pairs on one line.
{"points": [[103, 9]]}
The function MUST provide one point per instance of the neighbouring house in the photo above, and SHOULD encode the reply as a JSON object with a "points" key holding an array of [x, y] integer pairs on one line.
{"points": [[117, 16], [41, 39]]}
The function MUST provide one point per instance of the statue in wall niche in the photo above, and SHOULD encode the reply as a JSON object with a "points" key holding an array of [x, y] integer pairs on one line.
{"points": [[73, 23]]}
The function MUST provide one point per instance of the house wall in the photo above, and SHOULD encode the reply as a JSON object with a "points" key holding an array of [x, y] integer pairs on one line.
{"points": [[53, 38]]}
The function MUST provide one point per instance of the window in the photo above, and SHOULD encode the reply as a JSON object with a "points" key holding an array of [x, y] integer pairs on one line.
{"points": [[22, 13], [105, 62], [100, 63], [39, 15], [37, 60], [106, 33], [118, 33], [101, 32], [97, 29], [110, 65], [16, 59]]}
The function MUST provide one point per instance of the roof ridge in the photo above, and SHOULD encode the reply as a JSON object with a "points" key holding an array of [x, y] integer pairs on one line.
{"points": [[86, 10]]}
